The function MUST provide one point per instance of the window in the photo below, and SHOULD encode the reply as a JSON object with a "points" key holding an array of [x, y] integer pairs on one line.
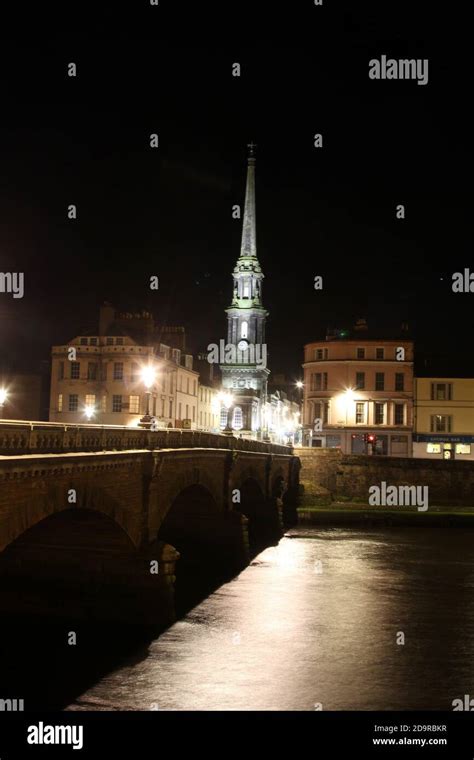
{"points": [[320, 354], [223, 417], [440, 423], [134, 373], [119, 342], [134, 405], [360, 413], [60, 402], [187, 389], [361, 353], [316, 381], [433, 448], [200, 418], [237, 422], [187, 412], [379, 381], [92, 368], [73, 402], [399, 381], [246, 293], [379, 413], [171, 408], [61, 371], [104, 404], [163, 406], [379, 354], [116, 403], [75, 370], [194, 388], [321, 411], [179, 410], [441, 391], [399, 414], [360, 380], [244, 329], [90, 400], [83, 341], [103, 371], [463, 448], [194, 413], [110, 341], [118, 370]]}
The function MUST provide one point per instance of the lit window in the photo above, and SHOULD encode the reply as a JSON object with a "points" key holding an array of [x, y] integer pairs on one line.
{"points": [[237, 422], [60, 402], [244, 330], [90, 399], [223, 417], [433, 448], [134, 404], [463, 448], [246, 293]]}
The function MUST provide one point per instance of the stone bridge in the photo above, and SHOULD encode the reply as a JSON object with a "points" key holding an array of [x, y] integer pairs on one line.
{"points": [[99, 522]]}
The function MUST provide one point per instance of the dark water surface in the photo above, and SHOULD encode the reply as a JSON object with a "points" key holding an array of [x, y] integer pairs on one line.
{"points": [[316, 620]]}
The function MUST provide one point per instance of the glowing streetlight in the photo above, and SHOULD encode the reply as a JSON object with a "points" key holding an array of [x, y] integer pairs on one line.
{"points": [[3, 398], [89, 411], [148, 376], [227, 401], [299, 384]]}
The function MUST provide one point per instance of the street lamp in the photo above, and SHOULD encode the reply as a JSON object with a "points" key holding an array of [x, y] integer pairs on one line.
{"points": [[227, 400], [148, 375], [89, 411], [3, 398]]}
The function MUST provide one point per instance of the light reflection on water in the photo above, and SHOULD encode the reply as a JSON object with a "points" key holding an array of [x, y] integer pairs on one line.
{"points": [[315, 620]]}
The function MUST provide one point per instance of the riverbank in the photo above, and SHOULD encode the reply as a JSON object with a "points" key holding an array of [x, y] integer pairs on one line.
{"points": [[342, 514]]}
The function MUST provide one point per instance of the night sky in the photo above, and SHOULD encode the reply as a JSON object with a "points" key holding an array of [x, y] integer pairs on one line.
{"points": [[328, 211]]}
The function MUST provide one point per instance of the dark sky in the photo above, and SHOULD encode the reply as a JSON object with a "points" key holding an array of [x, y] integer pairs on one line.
{"points": [[328, 212]]}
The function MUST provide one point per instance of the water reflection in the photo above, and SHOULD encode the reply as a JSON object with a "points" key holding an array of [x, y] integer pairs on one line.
{"points": [[316, 620]]}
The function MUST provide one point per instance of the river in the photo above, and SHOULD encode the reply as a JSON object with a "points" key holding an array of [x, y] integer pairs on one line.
{"points": [[331, 619]]}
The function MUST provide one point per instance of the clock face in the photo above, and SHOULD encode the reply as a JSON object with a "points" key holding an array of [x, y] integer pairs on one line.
{"points": [[242, 345]]}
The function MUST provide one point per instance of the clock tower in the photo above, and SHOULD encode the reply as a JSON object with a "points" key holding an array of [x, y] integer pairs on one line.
{"points": [[245, 375]]}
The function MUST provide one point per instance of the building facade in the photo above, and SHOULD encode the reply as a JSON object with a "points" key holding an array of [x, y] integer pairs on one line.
{"points": [[358, 393], [244, 367], [105, 378], [444, 418]]}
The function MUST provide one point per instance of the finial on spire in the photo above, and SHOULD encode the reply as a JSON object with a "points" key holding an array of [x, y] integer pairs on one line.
{"points": [[252, 147]]}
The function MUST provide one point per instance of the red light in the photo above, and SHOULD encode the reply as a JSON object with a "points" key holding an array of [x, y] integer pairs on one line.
{"points": [[371, 437]]}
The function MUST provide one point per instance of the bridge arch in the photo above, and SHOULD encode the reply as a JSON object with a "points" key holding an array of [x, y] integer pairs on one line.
{"points": [[210, 542]]}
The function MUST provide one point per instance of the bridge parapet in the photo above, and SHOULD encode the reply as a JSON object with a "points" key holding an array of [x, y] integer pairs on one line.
{"points": [[26, 437]]}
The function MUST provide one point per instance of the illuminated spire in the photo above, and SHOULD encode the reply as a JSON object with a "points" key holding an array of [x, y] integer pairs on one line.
{"points": [[249, 230]]}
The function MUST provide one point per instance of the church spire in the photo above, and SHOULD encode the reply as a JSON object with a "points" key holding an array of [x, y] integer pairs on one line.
{"points": [[249, 230]]}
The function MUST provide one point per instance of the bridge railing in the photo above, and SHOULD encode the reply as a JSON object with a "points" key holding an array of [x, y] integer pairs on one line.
{"points": [[52, 438]]}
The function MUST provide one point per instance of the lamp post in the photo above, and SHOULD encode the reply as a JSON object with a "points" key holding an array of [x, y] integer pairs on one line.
{"points": [[227, 400], [148, 375], [89, 412], [3, 398]]}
